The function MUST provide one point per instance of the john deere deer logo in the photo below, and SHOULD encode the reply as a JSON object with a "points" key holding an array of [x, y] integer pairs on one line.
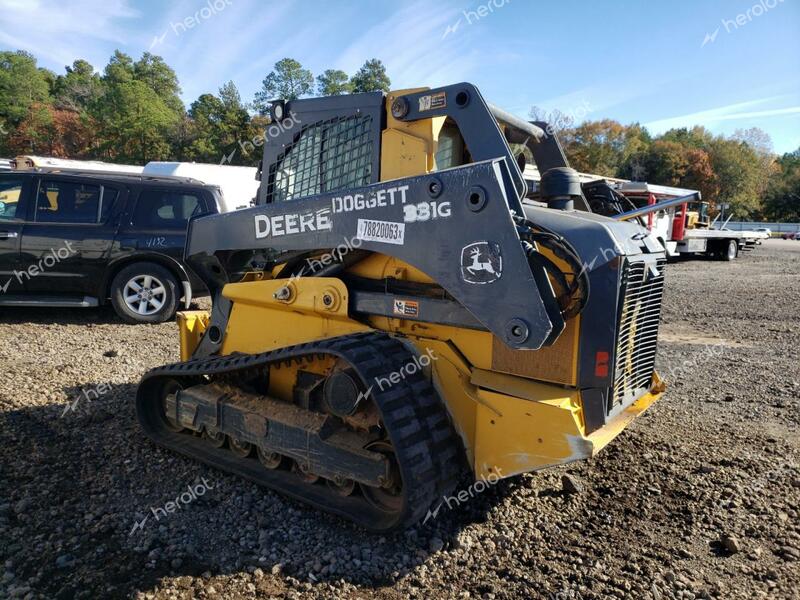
{"points": [[481, 262]]}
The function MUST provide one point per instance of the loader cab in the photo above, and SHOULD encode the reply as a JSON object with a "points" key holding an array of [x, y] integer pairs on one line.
{"points": [[320, 145]]}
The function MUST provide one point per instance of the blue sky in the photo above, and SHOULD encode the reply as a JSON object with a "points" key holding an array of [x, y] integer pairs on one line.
{"points": [[664, 64]]}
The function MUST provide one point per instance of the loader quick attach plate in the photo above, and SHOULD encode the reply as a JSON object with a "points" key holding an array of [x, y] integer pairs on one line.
{"points": [[454, 225]]}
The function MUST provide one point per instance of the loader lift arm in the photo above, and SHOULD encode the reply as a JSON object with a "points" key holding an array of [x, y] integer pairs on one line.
{"points": [[472, 205]]}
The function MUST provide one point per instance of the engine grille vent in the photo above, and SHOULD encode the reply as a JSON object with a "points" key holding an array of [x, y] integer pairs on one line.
{"points": [[637, 333]]}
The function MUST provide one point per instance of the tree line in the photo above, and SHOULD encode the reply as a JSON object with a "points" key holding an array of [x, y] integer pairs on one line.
{"points": [[132, 112], [740, 170]]}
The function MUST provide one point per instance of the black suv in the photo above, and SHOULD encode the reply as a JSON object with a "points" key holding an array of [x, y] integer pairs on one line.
{"points": [[83, 239]]}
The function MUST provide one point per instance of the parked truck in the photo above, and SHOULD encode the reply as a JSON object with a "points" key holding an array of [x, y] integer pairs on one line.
{"points": [[686, 228]]}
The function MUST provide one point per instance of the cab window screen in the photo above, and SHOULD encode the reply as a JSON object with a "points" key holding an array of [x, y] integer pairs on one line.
{"points": [[326, 156]]}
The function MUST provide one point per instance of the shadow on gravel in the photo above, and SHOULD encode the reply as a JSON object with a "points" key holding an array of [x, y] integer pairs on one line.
{"points": [[90, 508], [102, 315]]}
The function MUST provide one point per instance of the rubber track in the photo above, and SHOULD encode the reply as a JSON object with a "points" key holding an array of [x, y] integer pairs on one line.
{"points": [[428, 451]]}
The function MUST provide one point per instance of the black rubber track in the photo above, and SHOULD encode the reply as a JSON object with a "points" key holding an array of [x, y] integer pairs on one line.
{"points": [[428, 450]]}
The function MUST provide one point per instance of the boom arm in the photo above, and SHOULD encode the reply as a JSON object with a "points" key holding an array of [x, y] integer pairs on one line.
{"points": [[455, 225]]}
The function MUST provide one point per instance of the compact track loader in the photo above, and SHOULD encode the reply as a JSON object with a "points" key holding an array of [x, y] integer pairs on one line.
{"points": [[398, 307]]}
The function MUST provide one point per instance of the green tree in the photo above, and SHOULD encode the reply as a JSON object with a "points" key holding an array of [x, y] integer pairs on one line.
{"points": [[333, 83], [136, 123], [78, 89], [782, 198], [371, 77], [696, 137], [22, 84], [159, 77], [738, 172], [119, 69], [287, 81], [220, 127]]}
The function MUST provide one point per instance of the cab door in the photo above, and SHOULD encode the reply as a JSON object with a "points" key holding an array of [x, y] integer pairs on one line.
{"points": [[14, 192]]}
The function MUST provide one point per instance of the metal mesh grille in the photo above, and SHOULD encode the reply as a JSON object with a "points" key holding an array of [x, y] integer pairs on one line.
{"points": [[326, 156], [637, 332]]}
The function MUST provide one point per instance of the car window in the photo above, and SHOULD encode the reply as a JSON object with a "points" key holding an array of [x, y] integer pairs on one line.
{"points": [[108, 201], [161, 209], [10, 190], [67, 202]]}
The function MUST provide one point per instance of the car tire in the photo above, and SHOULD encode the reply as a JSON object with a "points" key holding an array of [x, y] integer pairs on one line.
{"points": [[145, 292], [730, 250]]}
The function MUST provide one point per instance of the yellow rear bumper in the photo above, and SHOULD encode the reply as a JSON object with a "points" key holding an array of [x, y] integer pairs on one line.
{"points": [[541, 426], [600, 438]]}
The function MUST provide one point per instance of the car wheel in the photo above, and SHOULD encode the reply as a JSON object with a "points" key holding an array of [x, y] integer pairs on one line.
{"points": [[144, 293], [731, 251]]}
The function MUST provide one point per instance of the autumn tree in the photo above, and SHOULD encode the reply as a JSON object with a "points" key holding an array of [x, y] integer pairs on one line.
{"points": [[22, 85], [782, 198], [603, 147], [53, 131], [669, 162]]}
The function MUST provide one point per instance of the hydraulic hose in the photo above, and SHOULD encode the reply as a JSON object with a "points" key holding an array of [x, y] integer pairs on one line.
{"points": [[575, 295]]}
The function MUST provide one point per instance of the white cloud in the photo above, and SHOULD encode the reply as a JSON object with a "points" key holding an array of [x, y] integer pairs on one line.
{"points": [[410, 44], [729, 112], [62, 31]]}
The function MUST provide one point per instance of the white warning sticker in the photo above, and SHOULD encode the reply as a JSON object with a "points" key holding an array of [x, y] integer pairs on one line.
{"points": [[381, 231]]}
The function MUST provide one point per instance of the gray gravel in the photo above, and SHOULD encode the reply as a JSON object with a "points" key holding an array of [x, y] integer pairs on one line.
{"points": [[697, 499]]}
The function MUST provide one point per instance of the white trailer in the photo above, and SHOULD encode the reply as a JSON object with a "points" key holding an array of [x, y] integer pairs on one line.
{"points": [[238, 185]]}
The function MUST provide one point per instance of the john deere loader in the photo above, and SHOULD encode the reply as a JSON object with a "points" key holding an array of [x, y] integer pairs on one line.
{"points": [[399, 308]]}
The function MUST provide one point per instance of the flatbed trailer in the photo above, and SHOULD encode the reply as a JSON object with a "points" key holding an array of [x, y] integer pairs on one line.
{"points": [[682, 235], [681, 231]]}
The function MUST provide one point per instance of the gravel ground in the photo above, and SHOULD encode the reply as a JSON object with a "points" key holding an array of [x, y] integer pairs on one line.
{"points": [[697, 499]]}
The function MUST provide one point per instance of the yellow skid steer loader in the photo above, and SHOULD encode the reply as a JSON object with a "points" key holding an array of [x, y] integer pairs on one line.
{"points": [[400, 305]]}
